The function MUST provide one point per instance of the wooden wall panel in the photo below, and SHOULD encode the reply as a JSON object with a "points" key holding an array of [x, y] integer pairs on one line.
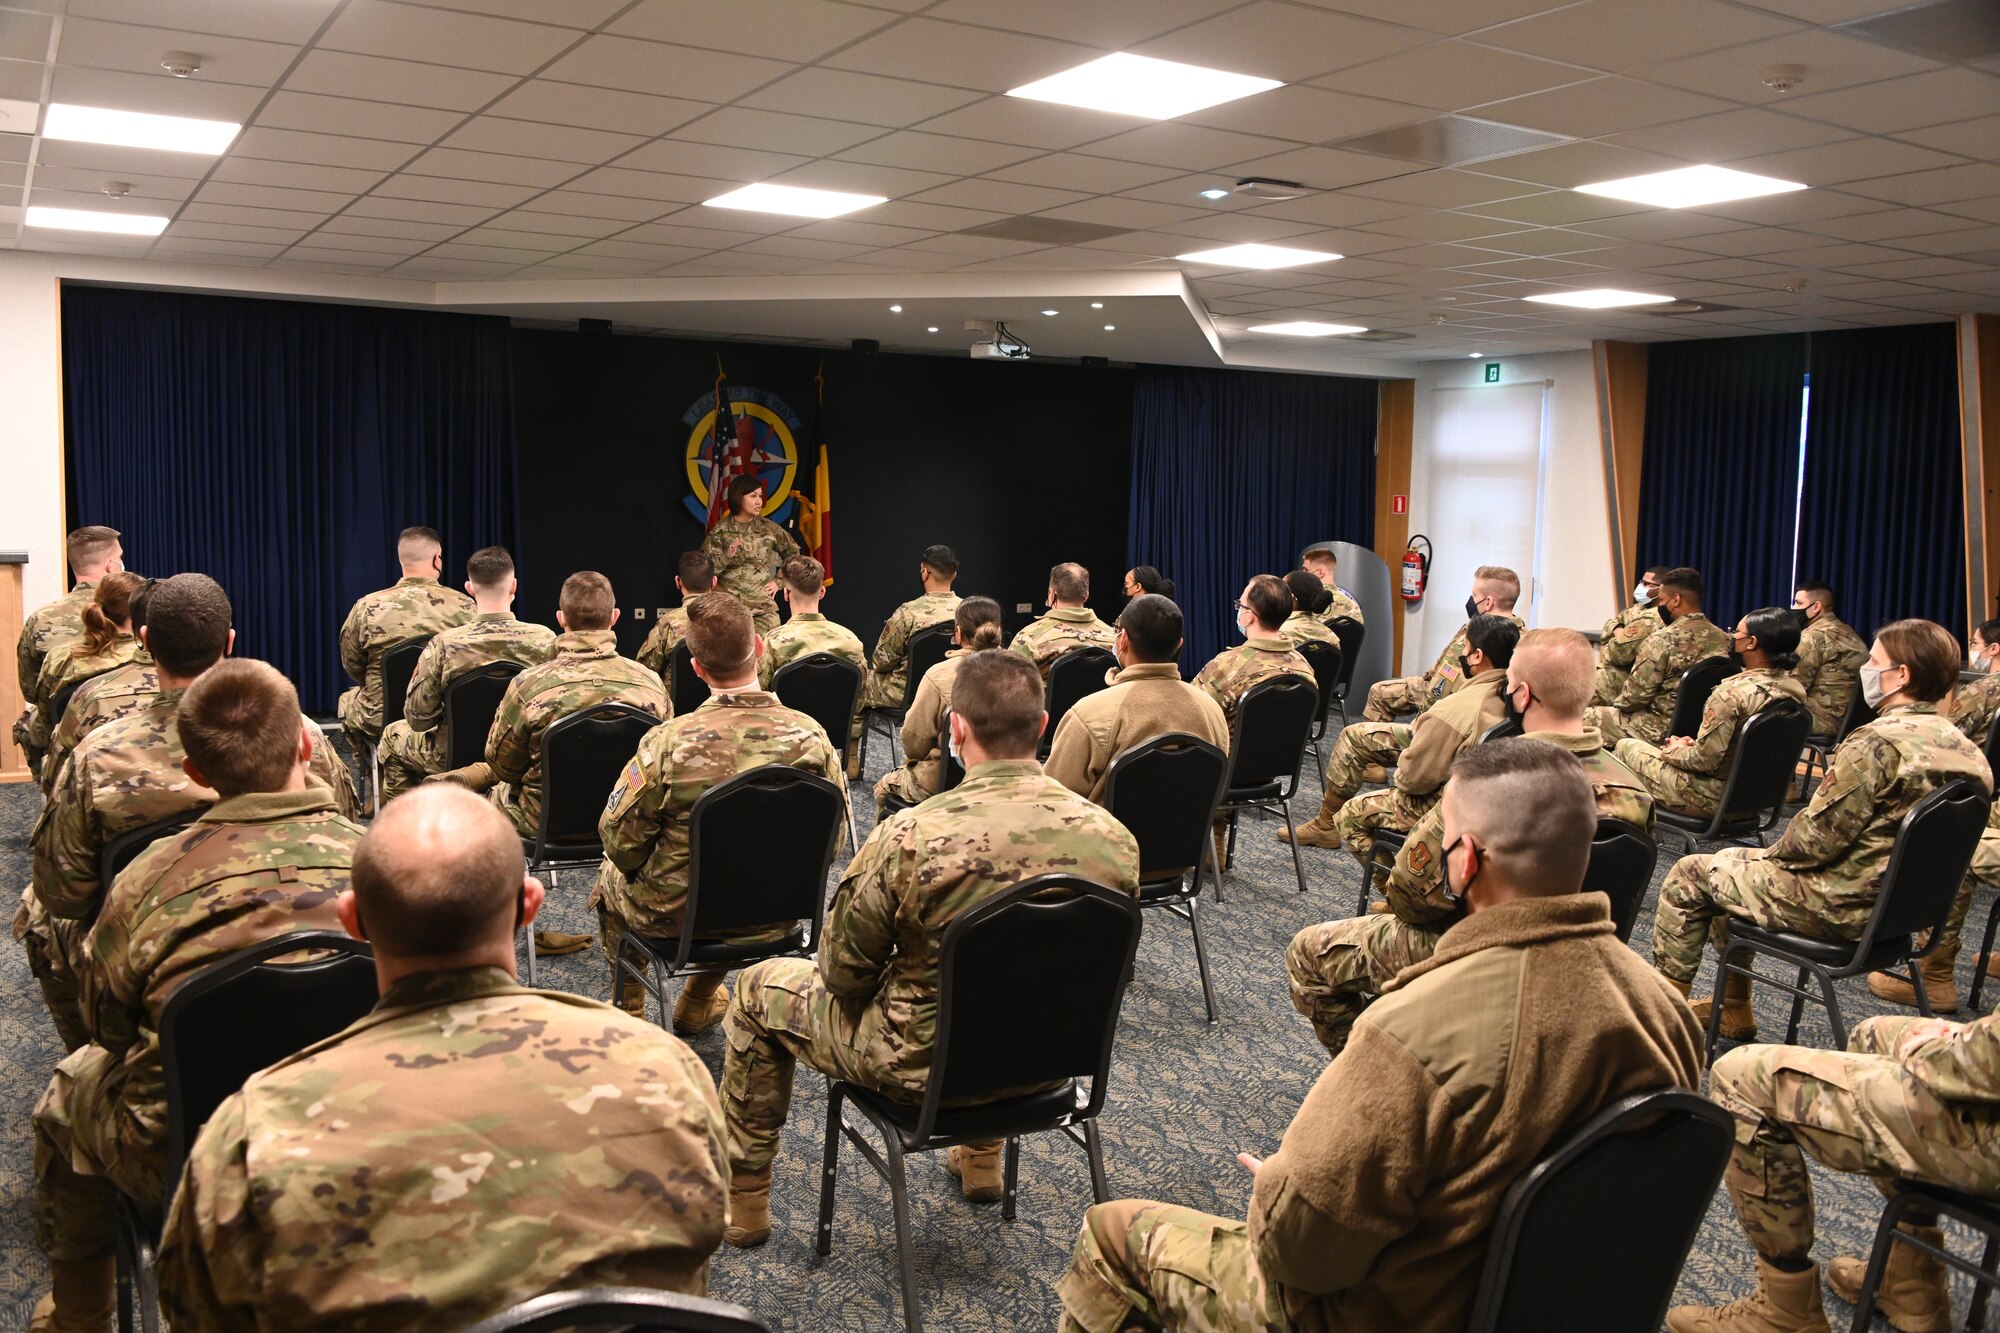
{"points": [[1395, 432], [1621, 416], [1979, 433]]}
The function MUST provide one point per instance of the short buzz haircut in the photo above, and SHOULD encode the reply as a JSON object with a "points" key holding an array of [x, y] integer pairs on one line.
{"points": [[695, 571], [187, 624], [587, 601], [999, 694], [87, 547], [1321, 553], [1154, 627], [720, 634], [744, 485], [1928, 650], [1494, 635], [940, 560], [239, 724], [439, 871], [1818, 590], [1070, 582], [1654, 570], [1559, 667], [804, 575], [1492, 788], [1683, 580], [1269, 600], [416, 545], [1507, 584], [490, 567]]}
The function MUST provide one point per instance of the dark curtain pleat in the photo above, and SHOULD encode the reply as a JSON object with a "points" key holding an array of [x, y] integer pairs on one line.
{"points": [[1718, 488], [1233, 474], [280, 447], [1882, 517]]}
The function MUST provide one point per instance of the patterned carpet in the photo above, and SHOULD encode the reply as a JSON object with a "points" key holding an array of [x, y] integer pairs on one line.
{"points": [[1185, 1099]]}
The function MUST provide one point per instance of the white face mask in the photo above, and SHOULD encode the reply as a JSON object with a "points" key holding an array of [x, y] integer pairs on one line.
{"points": [[1641, 595], [1871, 684]]}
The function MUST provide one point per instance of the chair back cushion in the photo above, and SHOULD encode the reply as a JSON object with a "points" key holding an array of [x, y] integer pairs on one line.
{"points": [[470, 702], [824, 688], [1621, 868], [1928, 863], [1691, 698], [1766, 760], [1273, 724], [1164, 791], [686, 690], [760, 847], [582, 758], [399, 663], [1076, 674], [926, 648], [1351, 633]]}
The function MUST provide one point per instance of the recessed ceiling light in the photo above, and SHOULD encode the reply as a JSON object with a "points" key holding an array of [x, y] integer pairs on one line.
{"points": [[1215, 194], [1052, 312], [1142, 86], [1602, 298], [137, 129], [933, 328], [895, 310], [1475, 355], [794, 201], [1257, 256], [1110, 328], [1307, 328], [1097, 305], [1690, 187], [80, 219]]}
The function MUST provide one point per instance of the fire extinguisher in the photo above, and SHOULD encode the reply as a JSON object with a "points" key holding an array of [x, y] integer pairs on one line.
{"points": [[1416, 568]]}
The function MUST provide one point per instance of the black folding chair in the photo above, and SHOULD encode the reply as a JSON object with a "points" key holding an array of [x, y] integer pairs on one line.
{"points": [[1078, 673], [1165, 791], [399, 663], [950, 771], [1968, 1210], [1564, 1239], [623, 1308], [1267, 747], [1622, 857], [1932, 852], [125, 848], [1352, 634], [269, 1011], [995, 1035], [470, 702], [582, 758], [1758, 780], [1818, 749], [1326, 662], [825, 688], [925, 649], [686, 690], [794, 819], [1691, 696]]}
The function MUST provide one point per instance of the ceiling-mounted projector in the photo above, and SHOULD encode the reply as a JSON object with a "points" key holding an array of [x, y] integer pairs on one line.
{"points": [[999, 345]]}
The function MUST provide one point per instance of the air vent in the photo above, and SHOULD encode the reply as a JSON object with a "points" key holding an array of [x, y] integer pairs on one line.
{"points": [[1450, 141], [1044, 231], [1953, 30], [1376, 336], [1686, 308], [1275, 191]]}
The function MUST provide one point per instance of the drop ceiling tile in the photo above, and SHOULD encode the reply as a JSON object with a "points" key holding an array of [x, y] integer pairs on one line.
{"points": [[361, 243], [194, 248], [1279, 41], [1335, 210], [1986, 210], [21, 80], [862, 178], [450, 270], [1444, 226], [1852, 160], [681, 158], [1890, 224], [327, 150], [1557, 208], [123, 163], [503, 238], [1187, 147], [1112, 24], [866, 98], [79, 180], [294, 21], [1445, 188], [799, 30], [654, 186], [1449, 76], [1620, 34], [661, 254], [270, 196], [1137, 214], [576, 266], [137, 50], [294, 175], [445, 190], [1000, 196], [585, 206], [660, 68], [499, 254], [963, 56], [1942, 185], [1969, 138], [1933, 98], [570, 13], [234, 231], [703, 238], [929, 217], [597, 108], [527, 138], [1937, 267], [1091, 175], [978, 247], [355, 119], [418, 210], [496, 168], [473, 41], [872, 234], [1600, 107], [916, 150], [371, 78], [1567, 166], [540, 223], [1321, 168], [743, 127], [1832, 60], [162, 95], [252, 217], [355, 226], [1982, 243], [1020, 120], [1729, 136], [798, 247], [1240, 229]]}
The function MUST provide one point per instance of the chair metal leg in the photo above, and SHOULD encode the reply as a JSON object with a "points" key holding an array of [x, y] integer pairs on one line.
{"points": [[1201, 956], [1917, 985], [1093, 1148], [1798, 1008], [1833, 1017], [1208, 860], [829, 1163], [1713, 1037], [1985, 956], [1981, 1290], [1878, 1260], [1010, 1179], [899, 1197], [1298, 866]]}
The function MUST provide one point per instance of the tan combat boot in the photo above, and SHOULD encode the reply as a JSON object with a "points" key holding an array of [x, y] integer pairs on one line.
{"points": [[702, 1003], [1739, 1021], [1221, 848], [80, 1299], [977, 1166], [854, 766], [1320, 832], [1913, 1296], [1783, 1303], [549, 943], [1940, 980], [749, 1208], [478, 776]]}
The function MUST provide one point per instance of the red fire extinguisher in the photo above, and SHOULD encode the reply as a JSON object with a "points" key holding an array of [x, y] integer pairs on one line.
{"points": [[1416, 568]]}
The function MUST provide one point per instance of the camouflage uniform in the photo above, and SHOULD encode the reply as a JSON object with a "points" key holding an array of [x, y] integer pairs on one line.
{"points": [[1624, 634], [1062, 630], [808, 633], [1822, 877], [647, 824], [1300, 627], [1388, 699], [1343, 607], [921, 773], [867, 1012], [1971, 707], [584, 671], [123, 776], [1202, 1274], [66, 666], [253, 868], [1645, 707], [747, 553], [667, 632], [414, 747], [1435, 740], [1909, 1097], [117, 693], [888, 666], [410, 609], [1830, 658], [1337, 968], [46, 629], [1231, 673], [467, 1145], [1686, 774]]}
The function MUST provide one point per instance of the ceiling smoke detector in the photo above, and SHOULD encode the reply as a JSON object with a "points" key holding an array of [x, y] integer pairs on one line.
{"points": [[1436, 317], [1783, 78], [116, 189], [1273, 191], [1793, 284], [181, 64]]}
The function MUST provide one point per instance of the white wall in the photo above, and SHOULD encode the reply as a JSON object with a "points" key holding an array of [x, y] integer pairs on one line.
{"points": [[1575, 585]]}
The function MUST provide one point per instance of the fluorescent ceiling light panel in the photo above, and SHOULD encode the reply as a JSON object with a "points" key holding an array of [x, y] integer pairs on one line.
{"points": [[1257, 256], [138, 129], [1130, 85], [1603, 298], [79, 219], [795, 201], [1307, 328], [1690, 187]]}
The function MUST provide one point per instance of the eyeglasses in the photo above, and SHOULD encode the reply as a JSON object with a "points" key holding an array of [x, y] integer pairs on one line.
{"points": [[1240, 606]]}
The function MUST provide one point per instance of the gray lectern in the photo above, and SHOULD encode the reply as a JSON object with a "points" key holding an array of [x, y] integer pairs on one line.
{"points": [[1366, 579]]}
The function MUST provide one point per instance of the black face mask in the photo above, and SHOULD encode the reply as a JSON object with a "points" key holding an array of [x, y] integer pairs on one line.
{"points": [[1666, 616], [1455, 894], [1803, 617], [1515, 715], [1471, 607], [1465, 666], [1736, 659]]}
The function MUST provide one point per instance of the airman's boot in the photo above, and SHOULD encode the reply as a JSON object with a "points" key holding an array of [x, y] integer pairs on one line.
{"points": [[749, 1208], [1940, 979], [1320, 832], [549, 943], [977, 1166], [1783, 1303], [1739, 1021], [80, 1301], [478, 776], [1221, 848], [1913, 1296], [703, 1002]]}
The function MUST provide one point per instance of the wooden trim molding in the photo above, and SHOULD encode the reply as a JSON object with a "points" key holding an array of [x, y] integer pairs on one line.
{"points": [[1979, 436], [13, 763], [1395, 439], [1621, 422]]}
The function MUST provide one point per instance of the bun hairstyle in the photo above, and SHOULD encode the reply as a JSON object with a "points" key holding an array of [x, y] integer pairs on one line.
{"points": [[978, 622], [1151, 580], [1776, 630], [108, 609], [1308, 592]]}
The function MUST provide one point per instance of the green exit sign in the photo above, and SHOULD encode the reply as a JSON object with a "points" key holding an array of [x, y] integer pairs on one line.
{"points": [[1492, 372]]}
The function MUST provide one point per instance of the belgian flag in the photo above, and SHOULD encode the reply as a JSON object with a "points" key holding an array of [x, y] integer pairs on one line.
{"points": [[816, 508]]}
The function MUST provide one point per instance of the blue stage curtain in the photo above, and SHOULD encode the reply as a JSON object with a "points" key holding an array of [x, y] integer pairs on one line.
{"points": [[280, 447], [1882, 517], [1234, 473], [1718, 487]]}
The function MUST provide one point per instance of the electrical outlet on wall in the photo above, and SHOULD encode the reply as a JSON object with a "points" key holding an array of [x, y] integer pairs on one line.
{"points": [[638, 613], [660, 613], [1025, 608]]}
